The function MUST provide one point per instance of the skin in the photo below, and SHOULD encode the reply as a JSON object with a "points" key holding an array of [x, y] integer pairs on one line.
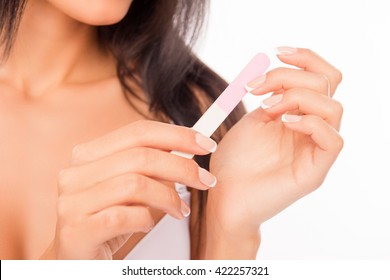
{"points": [[286, 161], [82, 194]]}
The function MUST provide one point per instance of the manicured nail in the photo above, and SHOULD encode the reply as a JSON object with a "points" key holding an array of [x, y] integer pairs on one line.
{"points": [[285, 50], [252, 85], [185, 210], [149, 228], [291, 118], [207, 178], [182, 154], [205, 143], [271, 101]]}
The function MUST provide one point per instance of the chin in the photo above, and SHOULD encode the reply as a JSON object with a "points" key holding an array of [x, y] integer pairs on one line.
{"points": [[94, 12], [103, 16]]}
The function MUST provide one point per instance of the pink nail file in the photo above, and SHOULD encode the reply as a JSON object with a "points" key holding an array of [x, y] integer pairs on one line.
{"points": [[229, 98]]}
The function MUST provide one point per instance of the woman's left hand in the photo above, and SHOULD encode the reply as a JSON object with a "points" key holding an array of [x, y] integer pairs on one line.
{"points": [[276, 154]]}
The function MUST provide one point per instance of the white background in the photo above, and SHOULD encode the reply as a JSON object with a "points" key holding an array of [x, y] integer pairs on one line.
{"points": [[349, 216]]}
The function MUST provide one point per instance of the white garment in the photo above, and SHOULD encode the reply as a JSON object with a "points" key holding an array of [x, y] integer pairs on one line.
{"points": [[168, 240]]}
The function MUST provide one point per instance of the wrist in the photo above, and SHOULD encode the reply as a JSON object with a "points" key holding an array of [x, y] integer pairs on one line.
{"points": [[231, 232], [49, 253], [223, 244]]}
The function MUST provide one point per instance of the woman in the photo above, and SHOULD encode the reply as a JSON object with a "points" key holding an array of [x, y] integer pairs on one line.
{"points": [[93, 98]]}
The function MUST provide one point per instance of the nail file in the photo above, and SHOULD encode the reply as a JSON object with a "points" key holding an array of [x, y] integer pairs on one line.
{"points": [[229, 98]]}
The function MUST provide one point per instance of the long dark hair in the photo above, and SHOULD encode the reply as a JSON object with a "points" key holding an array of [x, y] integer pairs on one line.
{"points": [[152, 46]]}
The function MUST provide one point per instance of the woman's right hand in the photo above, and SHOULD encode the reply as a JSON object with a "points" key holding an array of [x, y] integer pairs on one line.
{"points": [[107, 193]]}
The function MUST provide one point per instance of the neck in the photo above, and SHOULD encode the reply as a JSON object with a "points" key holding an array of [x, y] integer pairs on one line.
{"points": [[52, 49]]}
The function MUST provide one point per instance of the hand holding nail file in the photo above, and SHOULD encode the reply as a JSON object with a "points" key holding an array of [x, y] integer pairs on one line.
{"points": [[229, 98]]}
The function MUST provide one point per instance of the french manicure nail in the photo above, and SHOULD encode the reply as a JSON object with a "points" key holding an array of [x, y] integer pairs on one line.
{"points": [[207, 178], [252, 85], [271, 101], [149, 228], [288, 118], [185, 210], [206, 143], [285, 50], [182, 154]]}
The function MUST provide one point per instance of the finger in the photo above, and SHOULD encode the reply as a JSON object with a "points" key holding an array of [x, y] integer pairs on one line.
{"points": [[144, 134], [323, 135], [259, 115], [119, 220], [306, 102], [282, 79], [145, 161], [310, 61], [130, 189]]}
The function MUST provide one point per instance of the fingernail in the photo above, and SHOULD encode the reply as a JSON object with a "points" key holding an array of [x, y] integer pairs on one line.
{"points": [[149, 228], [271, 101], [185, 210], [285, 50], [207, 178], [182, 154], [206, 143], [252, 85], [291, 118]]}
